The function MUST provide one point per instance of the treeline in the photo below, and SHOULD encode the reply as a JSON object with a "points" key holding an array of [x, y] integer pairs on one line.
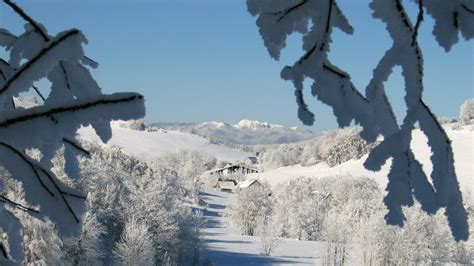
{"points": [[334, 147]]}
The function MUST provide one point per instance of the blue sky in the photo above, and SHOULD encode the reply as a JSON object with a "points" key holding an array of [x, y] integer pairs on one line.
{"points": [[204, 60]]}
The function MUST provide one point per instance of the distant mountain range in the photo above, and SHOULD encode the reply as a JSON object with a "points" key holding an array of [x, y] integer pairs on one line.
{"points": [[245, 132]]}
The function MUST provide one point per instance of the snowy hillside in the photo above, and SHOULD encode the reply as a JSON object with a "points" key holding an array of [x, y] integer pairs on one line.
{"points": [[245, 132], [463, 147], [153, 144]]}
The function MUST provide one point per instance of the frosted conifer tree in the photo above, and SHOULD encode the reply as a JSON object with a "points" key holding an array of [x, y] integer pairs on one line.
{"points": [[277, 19], [135, 246], [74, 100]]}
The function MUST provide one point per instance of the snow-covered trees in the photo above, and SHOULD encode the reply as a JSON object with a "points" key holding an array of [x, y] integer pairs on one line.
{"points": [[135, 246], [251, 206], [299, 209], [347, 214], [73, 100], [466, 114], [123, 190], [351, 146], [189, 165], [333, 147], [333, 86]]}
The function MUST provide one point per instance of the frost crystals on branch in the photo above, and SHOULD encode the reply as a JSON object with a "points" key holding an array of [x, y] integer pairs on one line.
{"points": [[74, 100], [278, 19]]}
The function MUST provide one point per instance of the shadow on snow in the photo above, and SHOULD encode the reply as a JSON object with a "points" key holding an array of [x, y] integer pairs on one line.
{"points": [[225, 257]]}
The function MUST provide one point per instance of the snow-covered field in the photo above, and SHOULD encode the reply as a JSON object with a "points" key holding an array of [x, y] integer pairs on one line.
{"points": [[223, 243], [225, 246], [148, 145], [462, 143]]}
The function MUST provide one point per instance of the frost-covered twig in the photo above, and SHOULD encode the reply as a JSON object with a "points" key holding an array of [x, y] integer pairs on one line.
{"points": [[288, 10], [77, 146], [419, 19], [25, 67], [30, 162], [76, 105], [63, 193], [467, 8], [37, 28], [25, 16], [34, 166], [17, 205]]}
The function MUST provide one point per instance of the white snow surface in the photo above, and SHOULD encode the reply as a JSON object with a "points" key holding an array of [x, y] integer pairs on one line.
{"points": [[148, 145], [463, 149], [256, 125]]}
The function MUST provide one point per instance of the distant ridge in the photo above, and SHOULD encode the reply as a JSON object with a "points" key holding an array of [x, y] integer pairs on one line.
{"points": [[244, 132]]}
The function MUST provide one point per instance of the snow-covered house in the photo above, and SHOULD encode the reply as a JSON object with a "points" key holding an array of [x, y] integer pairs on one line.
{"points": [[251, 160], [249, 183], [226, 186], [234, 169]]}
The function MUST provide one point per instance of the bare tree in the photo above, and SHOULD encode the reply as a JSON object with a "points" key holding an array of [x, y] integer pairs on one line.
{"points": [[333, 86], [74, 100]]}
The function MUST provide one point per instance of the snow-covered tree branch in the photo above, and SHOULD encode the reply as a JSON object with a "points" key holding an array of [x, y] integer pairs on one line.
{"points": [[373, 111], [74, 100]]}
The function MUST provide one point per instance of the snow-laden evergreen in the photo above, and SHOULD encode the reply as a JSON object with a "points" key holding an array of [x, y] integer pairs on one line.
{"points": [[332, 85]]}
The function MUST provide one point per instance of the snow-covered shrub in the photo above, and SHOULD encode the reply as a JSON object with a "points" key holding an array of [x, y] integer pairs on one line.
{"points": [[267, 235], [446, 120], [189, 165], [87, 249], [299, 209], [208, 179], [249, 206], [301, 205], [466, 113], [280, 155], [137, 124], [349, 147], [315, 21], [347, 214], [424, 240], [136, 245], [155, 203], [41, 242]]}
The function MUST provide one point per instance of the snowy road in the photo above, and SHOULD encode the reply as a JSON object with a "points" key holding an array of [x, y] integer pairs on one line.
{"points": [[225, 246]]}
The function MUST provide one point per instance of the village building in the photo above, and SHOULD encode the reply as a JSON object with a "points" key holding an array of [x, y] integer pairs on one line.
{"points": [[234, 169], [227, 186], [249, 183], [252, 160]]}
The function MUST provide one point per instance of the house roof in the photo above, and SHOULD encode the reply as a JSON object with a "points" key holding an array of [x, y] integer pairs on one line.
{"points": [[226, 185], [253, 159], [232, 166], [247, 183]]}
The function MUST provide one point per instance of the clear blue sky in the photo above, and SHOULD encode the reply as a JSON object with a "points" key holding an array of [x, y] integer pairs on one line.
{"points": [[204, 60]]}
